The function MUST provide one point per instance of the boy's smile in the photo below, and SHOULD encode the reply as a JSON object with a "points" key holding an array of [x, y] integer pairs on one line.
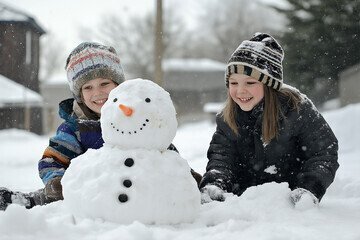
{"points": [[95, 93]]}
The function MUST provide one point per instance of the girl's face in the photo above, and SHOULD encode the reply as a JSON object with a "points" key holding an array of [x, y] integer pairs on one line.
{"points": [[246, 91], [95, 93]]}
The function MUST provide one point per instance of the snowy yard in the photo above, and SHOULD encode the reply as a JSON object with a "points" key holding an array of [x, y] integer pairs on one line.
{"points": [[262, 212]]}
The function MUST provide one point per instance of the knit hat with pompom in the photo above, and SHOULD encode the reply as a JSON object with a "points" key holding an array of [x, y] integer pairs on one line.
{"points": [[261, 58], [90, 61]]}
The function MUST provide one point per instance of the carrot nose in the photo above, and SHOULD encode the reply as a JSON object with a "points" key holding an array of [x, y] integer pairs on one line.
{"points": [[126, 110]]}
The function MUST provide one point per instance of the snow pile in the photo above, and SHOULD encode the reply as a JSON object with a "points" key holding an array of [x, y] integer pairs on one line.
{"points": [[126, 185], [344, 124]]}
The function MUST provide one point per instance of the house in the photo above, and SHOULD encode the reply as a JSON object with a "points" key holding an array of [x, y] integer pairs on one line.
{"points": [[192, 83], [16, 102], [19, 62], [349, 85]]}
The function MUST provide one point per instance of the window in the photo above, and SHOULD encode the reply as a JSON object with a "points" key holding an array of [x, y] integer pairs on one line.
{"points": [[28, 48]]}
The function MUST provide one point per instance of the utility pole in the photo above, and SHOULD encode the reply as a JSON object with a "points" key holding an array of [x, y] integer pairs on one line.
{"points": [[159, 48]]}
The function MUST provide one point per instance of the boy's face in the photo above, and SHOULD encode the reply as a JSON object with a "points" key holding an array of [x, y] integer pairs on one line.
{"points": [[95, 93], [246, 91]]}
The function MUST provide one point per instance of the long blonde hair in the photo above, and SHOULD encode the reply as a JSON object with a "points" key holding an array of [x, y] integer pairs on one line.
{"points": [[272, 111]]}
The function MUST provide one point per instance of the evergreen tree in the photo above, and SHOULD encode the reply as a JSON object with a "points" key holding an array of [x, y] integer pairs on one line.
{"points": [[322, 40]]}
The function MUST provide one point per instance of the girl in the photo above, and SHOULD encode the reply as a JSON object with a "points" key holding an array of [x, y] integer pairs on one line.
{"points": [[267, 131]]}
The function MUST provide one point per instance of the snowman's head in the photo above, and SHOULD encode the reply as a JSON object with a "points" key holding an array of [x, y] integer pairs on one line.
{"points": [[139, 114]]}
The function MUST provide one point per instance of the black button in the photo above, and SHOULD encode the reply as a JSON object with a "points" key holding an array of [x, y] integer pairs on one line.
{"points": [[129, 162], [127, 183], [123, 198]]}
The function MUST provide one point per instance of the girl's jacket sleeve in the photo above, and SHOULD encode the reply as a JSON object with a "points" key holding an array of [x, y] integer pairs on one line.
{"points": [[320, 148], [221, 169]]}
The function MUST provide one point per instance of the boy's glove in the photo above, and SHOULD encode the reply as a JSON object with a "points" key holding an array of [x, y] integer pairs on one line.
{"points": [[212, 192], [303, 199], [5, 198], [8, 197], [53, 190]]}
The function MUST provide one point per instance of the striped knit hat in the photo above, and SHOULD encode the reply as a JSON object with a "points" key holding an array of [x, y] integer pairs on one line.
{"points": [[261, 58], [89, 61]]}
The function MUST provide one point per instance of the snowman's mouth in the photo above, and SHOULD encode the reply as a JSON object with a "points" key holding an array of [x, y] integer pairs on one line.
{"points": [[139, 129]]}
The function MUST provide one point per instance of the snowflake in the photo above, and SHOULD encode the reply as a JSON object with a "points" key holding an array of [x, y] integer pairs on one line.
{"points": [[271, 169]]}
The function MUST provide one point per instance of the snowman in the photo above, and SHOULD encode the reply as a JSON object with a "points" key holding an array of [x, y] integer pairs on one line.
{"points": [[133, 177]]}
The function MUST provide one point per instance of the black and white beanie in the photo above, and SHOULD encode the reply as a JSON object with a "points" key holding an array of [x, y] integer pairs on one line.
{"points": [[261, 58], [89, 61]]}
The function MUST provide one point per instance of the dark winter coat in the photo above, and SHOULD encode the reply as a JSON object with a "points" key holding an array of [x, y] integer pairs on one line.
{"points": [[304, 155]]}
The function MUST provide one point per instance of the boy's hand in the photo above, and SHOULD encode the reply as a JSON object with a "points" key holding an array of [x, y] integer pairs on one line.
{"points": [[5, 198], [53, 189]]}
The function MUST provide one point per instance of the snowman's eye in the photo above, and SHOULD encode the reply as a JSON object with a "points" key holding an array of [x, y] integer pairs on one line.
{"points": [[115, 99], [147, 100]]}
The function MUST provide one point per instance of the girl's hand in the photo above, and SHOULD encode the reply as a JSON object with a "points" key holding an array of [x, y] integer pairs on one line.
{"points": [[303, 199], [212, 193]]}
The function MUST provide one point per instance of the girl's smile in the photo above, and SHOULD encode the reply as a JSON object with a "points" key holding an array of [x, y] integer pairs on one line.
{"points": [[246, 91]]}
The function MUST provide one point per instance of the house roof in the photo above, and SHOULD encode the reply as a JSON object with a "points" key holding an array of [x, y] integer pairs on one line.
{"points": [[56, 79], [12, 15], [193, 74], [12, 93], [192, 65]]}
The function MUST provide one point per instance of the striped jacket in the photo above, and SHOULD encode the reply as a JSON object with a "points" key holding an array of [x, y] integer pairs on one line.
{"points": [[73, 138]]}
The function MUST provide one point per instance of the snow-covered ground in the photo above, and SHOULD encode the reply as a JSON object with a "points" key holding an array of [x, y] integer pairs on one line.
{"points": [[262, 212]]}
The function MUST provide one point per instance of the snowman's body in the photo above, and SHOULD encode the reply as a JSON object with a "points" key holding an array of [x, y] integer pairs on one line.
{"points": [[133, 177]]}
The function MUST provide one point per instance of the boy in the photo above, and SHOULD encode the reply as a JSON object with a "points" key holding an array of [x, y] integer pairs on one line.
{"points": [[93, 70]]}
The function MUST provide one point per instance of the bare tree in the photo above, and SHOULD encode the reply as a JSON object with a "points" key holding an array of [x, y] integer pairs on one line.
{"points": [[224, 24], [133, 39]]}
